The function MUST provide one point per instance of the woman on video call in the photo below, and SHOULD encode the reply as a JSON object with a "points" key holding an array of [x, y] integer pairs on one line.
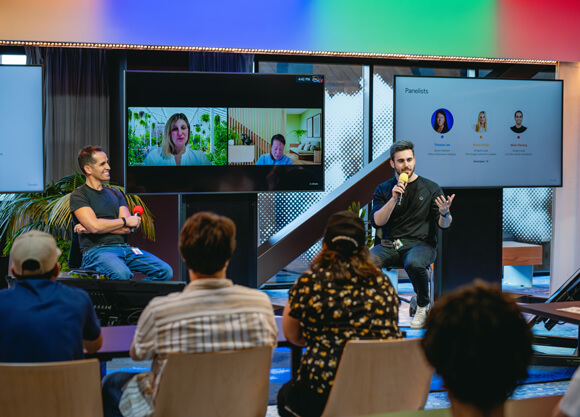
{"points": [[174, 149], [440, 125], [276, 155], [481, 125]]}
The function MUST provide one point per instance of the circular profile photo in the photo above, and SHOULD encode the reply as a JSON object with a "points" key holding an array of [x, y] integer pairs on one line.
{"points": [[442, 120]]}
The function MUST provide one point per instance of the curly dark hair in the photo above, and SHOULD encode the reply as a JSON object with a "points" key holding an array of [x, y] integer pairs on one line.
{"points": [[480, 344]]}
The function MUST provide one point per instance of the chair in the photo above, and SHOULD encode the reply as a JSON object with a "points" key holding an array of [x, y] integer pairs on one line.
{"points": [[229, 383], [75, 258], [379, 376], [532, 407], [51, 389]]}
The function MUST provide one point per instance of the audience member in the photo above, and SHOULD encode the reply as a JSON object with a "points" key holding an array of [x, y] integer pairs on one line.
{"points": [[343, 296], [211, 314], [479, 343], [102, 219], [44, 320]]}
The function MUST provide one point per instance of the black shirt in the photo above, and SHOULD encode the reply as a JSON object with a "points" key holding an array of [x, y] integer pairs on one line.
{"points": [[417, 216], [105, 203]]}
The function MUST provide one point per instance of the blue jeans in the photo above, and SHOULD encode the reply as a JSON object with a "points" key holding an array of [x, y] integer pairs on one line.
{"points": [[415, 257], [113, 390], [119, 262]]}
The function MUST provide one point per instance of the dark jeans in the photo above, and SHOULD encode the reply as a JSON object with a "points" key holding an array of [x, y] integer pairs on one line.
{"points": [[112, 391], [415, 257], [303, 401]]}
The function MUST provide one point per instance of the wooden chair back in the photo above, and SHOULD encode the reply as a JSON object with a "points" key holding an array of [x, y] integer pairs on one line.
{"points": [[532, 407], [380, 376], [227, 383], [51, 389]]}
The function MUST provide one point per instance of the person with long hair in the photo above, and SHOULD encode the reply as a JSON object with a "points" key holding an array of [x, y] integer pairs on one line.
{"points": [[481, 125], [440, 125], [174, 148], [343, 296]]}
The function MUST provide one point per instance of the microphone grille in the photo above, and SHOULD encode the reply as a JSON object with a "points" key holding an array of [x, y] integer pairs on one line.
{"points": [[404, 177]]}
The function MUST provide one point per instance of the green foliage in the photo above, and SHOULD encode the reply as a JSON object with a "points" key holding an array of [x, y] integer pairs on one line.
{"points": [[298, 133], [362, 213], [205, 118], [139, 145], [49, 211]]}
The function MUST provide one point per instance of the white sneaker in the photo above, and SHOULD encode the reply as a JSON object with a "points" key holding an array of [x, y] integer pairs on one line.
{"points": [[420, 316]]}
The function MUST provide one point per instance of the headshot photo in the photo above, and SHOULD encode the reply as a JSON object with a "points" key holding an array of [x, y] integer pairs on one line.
{"points": [[442, 121], [481, 122], [519, 118]]}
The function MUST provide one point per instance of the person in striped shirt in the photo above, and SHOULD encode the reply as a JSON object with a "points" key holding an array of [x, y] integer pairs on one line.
{"points": [[211, 314]]}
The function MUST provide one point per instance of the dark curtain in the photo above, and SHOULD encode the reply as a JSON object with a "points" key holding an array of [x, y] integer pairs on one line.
{"points": [[76, 104], [221, 62]]}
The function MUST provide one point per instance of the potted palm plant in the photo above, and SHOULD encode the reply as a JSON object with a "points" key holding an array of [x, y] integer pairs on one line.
{"points": [[49, 211]]}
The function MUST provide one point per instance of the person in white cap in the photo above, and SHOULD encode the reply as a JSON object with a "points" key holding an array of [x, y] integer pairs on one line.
{"points": [[44, 320]]}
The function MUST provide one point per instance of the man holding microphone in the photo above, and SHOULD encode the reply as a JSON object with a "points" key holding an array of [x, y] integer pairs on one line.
{"points": [[407, 207]]}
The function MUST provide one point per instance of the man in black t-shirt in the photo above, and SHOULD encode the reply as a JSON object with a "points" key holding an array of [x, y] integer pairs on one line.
{"points": [[102, 219], [408, 214], [519, 118]]}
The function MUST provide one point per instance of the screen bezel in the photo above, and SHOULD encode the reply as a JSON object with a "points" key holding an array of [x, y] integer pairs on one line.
{"points": [[485, 183], [222, 90]]}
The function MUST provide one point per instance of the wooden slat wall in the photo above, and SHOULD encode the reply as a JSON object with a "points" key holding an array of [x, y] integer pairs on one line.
{"points": [[259, 124]]}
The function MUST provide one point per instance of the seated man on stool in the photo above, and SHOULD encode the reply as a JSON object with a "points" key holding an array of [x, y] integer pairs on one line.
{"points": [[407, 208], [103, 219], [211, 314]]}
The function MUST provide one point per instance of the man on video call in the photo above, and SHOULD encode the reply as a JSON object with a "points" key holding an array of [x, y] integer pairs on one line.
{"points": [[407, 212], [102, 219]]}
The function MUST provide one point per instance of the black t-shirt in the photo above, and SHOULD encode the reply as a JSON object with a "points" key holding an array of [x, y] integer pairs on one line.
{"points": [[520, 129], [417, 216], [105, 203]]}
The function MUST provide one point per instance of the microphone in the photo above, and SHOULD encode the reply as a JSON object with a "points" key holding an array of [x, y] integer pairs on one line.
{"points": [[403, 177], [137, 211]]}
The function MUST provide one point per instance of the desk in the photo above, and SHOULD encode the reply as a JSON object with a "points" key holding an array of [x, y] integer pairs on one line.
{"points": [[117, 343], [553, 311]]}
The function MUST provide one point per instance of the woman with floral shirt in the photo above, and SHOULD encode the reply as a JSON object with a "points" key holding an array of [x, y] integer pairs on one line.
{"points": [[342, 297]]}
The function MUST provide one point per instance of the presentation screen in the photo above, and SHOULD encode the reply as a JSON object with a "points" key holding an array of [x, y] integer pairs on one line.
{"points": [[477, 132], [21, 135], [192, 132]]}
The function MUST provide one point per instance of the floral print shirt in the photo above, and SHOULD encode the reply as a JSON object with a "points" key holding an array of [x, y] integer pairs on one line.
{"points": [[333, 311]]}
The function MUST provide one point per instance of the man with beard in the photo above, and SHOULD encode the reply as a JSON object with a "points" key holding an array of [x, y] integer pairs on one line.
{"points": [[407, 208]]}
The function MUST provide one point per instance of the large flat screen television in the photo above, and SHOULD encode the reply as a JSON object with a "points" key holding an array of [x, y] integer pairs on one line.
{"points": [[478, 132], [198, 132], [22, 133]]}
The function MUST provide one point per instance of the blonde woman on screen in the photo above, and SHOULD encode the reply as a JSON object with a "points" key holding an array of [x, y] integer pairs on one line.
{"points": [[481, 125], [174, 149]]}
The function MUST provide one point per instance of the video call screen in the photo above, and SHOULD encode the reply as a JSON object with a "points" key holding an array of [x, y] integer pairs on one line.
{"points": [[193, 132], [477, 132]]}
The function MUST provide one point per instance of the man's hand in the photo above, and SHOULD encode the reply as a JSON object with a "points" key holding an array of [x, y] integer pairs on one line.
{"points": [[399, 189], [133, 221], [79, 228], [444, 204]]}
